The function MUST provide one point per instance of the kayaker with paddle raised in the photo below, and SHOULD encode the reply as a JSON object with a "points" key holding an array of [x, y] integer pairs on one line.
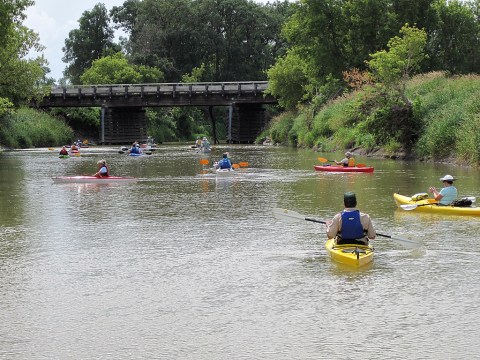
{"points": [[351, 226], [348, 160], [103, 170], [446, 195]]}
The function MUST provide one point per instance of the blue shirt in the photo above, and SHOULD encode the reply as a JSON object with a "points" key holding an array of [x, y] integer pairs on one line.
{"points": [[449, 194]]}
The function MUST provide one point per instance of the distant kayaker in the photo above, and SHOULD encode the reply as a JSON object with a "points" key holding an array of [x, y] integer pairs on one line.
{"points": [[198, 143], [135, 149], [446, 195], [348, 160], [103, 170], [64, 151], [351, 226], [225, 163]]}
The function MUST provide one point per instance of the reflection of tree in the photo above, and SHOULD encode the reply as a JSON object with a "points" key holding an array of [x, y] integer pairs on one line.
{"points": [[12, 196]]}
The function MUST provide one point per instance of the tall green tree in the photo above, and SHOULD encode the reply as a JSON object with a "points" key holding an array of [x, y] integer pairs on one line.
{"points": [[19, 75], [91, 41], [393, 68]]}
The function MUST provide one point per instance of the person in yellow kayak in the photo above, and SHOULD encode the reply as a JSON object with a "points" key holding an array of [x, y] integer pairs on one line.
{"points": [[446, 195], [348, 160], [103, 170], [351, 226]]}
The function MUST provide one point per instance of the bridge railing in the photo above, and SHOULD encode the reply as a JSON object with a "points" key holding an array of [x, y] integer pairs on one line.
{"points": [[223, 88]]}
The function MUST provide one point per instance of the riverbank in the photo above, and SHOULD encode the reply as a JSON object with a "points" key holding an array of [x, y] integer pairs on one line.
{"points": [[438, 127]]}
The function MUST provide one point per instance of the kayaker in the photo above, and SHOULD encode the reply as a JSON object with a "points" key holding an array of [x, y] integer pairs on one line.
{"points": [[198, 143], [205, 143], [446, 195], [351, 226], [103, 170], [63, 151], [135, 149], [225, 163], [348, 160]]}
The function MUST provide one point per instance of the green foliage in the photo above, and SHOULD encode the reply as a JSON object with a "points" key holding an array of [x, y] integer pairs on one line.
{"points": [[280, 126], [27, 128], [6, 107], [85, 120], [115, 69], [286, 79], [394, 67], [235, 39], [91, 41], [18, 75]]}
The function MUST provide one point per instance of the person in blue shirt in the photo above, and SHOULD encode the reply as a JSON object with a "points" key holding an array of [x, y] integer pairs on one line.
{"points": [[225, 163], [446, 195], [351, 226]]}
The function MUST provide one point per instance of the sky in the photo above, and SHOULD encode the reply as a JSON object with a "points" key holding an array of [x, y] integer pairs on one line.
{"points": [[54, 19]]}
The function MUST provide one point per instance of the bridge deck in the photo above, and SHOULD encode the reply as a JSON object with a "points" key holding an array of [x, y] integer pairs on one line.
{"points": [[161, 94]]}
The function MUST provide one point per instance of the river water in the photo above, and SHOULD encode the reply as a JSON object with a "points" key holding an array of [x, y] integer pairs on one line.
{"points": [[186, 265]]}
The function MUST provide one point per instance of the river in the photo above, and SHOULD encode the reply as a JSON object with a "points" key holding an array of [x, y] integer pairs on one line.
{"points": [[187, 265]]}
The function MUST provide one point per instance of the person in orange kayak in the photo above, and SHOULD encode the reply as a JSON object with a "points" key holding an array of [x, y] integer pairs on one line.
{"points": [[103, 170], [446, 195], [351, 226], [348, 160]]}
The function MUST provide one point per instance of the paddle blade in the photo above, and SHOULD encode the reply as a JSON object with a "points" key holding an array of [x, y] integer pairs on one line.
{"points": [[408, 207], [322, 160], [409, 242], [235, 166], [243, 164], [361, 165], [287, 215], [204, 161]]}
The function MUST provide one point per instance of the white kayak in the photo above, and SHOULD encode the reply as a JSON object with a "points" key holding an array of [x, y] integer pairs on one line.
{"points": [[92, 179]]}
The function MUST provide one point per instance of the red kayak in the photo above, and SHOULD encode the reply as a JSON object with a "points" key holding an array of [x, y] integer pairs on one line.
{"points": [[92, 179], [367, 169]]}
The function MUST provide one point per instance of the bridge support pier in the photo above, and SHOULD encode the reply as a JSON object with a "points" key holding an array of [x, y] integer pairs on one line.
{"points": [[245, 123], [123, 125]]}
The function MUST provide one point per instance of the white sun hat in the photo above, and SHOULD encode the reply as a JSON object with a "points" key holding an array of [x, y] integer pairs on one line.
{"points": [[447, 178]]}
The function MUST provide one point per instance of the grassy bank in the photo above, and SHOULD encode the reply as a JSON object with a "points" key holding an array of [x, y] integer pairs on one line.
{"points": [[440, 124], [26, 128]]}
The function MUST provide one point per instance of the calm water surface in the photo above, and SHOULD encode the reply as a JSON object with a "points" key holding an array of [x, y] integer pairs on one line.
{"points": [[185, 265]]}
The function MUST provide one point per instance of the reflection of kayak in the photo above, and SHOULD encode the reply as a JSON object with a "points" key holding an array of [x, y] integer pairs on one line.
{"points": [[92, 179], [63, 156], [135, 154], [352, 255], [343, 168], [429, 205]]}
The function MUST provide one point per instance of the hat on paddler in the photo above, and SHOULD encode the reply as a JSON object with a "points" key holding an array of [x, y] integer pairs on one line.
{"points": [[447, 178]]}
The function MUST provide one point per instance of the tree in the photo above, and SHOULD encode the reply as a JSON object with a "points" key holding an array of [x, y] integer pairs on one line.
{"points": [[91, 41], [394, 67], [115, 69], [18, 75], [287, 78]]}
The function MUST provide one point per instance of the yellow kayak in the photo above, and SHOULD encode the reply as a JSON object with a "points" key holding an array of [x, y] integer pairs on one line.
{"points": [[352, 255], [430, 206]]}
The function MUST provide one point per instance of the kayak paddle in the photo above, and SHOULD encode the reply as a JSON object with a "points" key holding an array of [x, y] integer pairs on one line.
{"points": [[204, 161], [292, 216], [409, 207]]}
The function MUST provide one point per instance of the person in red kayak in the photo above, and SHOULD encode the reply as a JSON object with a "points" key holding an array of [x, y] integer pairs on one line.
{"points": [[103, 170], [351, 226], [348, 160]]}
